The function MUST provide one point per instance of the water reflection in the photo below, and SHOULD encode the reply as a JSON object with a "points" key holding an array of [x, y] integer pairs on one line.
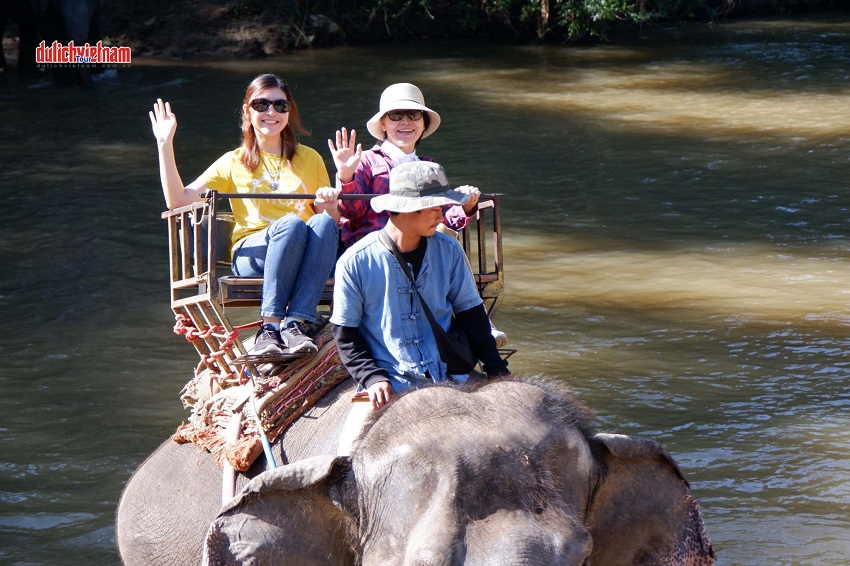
{"points": [[676, 251]]}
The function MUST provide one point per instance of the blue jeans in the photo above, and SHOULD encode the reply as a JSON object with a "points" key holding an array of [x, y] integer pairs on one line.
{"points": [[295, 259]]}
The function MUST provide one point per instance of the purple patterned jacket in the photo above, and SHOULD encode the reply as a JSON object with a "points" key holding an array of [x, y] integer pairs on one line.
{"points": [[373, 177]]}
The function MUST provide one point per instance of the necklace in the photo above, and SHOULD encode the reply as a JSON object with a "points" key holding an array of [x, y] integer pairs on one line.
{"points": [[273, 175]]}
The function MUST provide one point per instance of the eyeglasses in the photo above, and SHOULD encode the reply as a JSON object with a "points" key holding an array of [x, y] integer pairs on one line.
{"points": [[397, 115], [262, 104]]}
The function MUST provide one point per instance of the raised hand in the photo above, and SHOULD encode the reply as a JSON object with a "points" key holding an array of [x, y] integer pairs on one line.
{"points": [[345, 154], [163, 121]]}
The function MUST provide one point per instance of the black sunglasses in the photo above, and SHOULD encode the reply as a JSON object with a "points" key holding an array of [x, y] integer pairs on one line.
{"points": [[397, 115], [262, 104]]}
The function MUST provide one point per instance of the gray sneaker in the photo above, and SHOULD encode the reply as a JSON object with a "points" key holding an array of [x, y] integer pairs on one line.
{"points": [[268, 341], [296, 339]]}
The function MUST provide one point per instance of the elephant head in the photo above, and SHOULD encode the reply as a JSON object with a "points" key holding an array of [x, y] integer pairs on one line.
{"points": [[503, 474]]}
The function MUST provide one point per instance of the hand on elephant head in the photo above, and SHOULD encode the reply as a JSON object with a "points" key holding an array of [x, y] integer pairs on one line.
{"points": [[505, 474]]}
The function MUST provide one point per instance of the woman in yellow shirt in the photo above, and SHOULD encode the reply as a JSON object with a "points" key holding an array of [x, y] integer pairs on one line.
{"points": [[290, 243]]}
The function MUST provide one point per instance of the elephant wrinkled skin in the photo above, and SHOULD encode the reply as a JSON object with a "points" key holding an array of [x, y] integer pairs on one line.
{"points": [[505, 473]]}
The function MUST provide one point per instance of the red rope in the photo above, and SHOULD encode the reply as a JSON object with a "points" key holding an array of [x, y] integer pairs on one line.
{"points": [[255, 324], [186, 326]]}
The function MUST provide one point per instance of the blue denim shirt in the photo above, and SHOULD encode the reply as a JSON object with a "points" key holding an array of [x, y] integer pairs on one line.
{"points": [[372, 293]]}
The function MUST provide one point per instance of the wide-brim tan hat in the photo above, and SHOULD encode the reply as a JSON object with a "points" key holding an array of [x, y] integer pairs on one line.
{"points": [[402, 96], [417, 185]]}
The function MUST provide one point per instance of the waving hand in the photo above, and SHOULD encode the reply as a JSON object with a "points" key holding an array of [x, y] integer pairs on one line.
{"points": [[345, 154]]}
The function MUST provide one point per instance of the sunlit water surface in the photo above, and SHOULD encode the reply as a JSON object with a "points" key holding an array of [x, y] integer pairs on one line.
{"points": [[676, 220]]}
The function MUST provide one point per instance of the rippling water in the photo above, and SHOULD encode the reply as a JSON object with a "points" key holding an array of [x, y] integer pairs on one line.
{"points": [[676, 250]]}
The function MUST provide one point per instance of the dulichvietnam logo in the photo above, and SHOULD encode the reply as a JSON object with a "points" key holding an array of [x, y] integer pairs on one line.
{"points": [[60, 55]]}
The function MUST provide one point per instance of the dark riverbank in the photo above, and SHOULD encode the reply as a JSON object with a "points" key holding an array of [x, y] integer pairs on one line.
{"points": [[251, 29]]}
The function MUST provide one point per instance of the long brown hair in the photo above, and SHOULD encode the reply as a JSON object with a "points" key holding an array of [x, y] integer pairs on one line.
{"points": [[289, 143]]}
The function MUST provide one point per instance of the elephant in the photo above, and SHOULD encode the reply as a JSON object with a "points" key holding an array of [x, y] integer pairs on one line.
{"points": [[174, 495], [493, 472]]}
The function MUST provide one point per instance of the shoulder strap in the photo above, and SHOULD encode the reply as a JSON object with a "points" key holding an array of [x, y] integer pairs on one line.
{"points": [[390, 245]]}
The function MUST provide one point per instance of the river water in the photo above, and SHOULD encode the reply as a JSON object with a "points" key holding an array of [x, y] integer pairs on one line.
{"points": [[676, 233]]}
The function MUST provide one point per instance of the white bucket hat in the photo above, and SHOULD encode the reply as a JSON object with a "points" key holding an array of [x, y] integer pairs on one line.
{"points": [[417, 185], [402, 96]]}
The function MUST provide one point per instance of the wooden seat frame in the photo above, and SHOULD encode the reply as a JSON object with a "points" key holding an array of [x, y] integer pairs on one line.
{"points": [[199, 243]]}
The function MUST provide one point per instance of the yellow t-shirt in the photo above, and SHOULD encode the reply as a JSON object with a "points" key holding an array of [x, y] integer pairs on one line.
{"points": [[303, 175]]}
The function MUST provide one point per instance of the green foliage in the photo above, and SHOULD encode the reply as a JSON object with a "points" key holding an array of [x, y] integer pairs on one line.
{"points": [[580, 17], [567, 20], [529, 20], [559, 20]]}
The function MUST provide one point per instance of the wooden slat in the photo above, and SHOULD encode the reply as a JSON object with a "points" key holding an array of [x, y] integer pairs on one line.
{"points": [[481, 227], [186, 270], [211, 231], [174, 253], [189, 283], [497, 241], [193, 300], [197, 254]]}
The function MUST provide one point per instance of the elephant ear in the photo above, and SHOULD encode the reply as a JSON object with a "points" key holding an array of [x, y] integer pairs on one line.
{"points": [[286, 516], [642, 510]]}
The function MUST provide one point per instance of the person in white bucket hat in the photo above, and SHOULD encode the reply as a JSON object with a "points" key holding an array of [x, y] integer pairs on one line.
{"points": [[402, 121], [397, 97], [382, 335]]}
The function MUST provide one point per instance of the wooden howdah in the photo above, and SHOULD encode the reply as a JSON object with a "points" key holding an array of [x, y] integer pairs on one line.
{"points": [[204, 292]]}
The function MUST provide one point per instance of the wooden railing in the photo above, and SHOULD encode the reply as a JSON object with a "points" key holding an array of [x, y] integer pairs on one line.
{"points": [[199, 246]]}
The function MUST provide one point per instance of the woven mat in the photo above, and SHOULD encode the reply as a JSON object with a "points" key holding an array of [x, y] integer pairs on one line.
{"points": [[278, 401]]}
